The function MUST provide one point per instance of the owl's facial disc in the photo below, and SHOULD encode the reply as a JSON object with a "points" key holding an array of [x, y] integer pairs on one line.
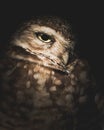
{"points": [[54, 47], [52, 44], [48, 45]]}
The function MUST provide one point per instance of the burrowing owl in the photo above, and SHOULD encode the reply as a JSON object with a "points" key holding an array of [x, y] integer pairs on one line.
{"points": [[44, 85]]}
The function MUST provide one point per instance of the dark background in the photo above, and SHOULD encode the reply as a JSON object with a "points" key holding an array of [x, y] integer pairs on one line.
{"points": [[86, 19]]}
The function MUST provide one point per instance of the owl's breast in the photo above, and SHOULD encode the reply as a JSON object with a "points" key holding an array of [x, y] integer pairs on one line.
{"points": [[35, 93], [31, 94], [35, 86], [30, 83]]}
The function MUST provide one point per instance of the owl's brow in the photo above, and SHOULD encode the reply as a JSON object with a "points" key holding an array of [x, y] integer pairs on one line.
{"points": [[48, 30]]}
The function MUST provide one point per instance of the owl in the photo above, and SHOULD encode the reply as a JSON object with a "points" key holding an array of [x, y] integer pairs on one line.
{"points": [[44, 85]]}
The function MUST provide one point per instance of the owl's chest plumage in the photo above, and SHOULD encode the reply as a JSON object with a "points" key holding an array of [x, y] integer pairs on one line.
{"points": [[37, 97], [34, 93], [25, 79]]}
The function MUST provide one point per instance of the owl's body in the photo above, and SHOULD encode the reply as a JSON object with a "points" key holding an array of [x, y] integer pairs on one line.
{"points": [[44, 86]]}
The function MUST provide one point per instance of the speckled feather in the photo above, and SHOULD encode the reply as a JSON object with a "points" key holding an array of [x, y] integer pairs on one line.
{"points": [[37, 93]]}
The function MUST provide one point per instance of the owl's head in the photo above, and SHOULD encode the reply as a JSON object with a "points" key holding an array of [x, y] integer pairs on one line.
{"points": [[46, 41]]}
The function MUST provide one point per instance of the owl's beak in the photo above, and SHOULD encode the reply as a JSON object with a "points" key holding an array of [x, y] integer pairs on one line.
{"points": [[55, 62], [65, 58]]}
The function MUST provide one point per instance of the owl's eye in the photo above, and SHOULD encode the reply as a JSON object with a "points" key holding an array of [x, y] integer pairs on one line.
{"points": [[44, 37]]}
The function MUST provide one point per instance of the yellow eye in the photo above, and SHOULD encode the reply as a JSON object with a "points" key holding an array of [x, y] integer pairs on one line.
{"points": [[44, 37]]}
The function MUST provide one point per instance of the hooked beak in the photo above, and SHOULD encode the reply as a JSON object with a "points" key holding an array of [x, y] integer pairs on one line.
{"points": [[55, 63]]}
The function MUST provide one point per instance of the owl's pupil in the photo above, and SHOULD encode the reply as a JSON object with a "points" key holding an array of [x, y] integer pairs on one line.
{"points": [[45, 37]]}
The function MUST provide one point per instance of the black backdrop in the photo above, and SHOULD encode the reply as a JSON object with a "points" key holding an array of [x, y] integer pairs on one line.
{"points": [[86, 18]]}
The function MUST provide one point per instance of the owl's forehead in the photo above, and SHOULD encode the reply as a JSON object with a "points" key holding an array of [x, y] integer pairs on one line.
{"points": [[49, 31]]}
